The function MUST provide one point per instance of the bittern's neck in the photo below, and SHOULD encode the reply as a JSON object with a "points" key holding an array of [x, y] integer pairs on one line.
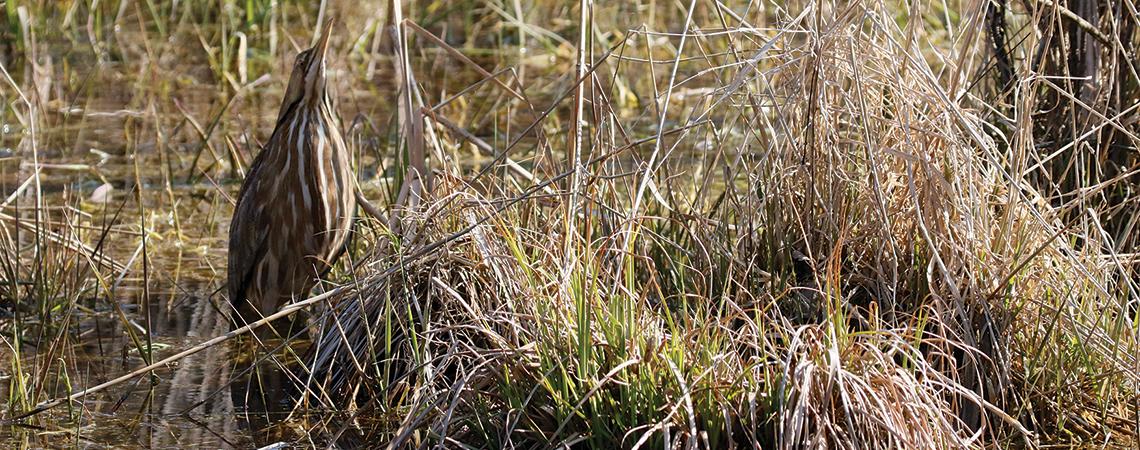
{"points": [[319, 105], [315, 93], [309, 105], [315, 112]]}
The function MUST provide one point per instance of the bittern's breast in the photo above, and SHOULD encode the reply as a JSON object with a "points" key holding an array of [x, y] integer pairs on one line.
{"points": [[307, 199]]}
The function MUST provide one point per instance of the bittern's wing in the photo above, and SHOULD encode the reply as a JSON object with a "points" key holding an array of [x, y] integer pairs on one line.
{"points": [[338, 252], [247, 238]]}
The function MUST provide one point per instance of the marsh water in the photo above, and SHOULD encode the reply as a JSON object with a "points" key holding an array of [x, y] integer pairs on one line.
{"points": [[190, 404], [128, 168], [155, 231], [227, 395]]}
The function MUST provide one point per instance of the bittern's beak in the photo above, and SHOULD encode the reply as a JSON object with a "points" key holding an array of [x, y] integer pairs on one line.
{"points": [[322, 44], [316, 69]]}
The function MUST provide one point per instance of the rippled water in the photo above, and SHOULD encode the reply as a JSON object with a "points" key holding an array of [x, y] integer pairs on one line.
{"points": [[111, 168], [191, 403]]}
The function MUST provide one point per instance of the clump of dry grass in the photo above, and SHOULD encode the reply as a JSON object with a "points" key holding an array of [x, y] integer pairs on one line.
{"points": [[820, 243], [820, 224]]}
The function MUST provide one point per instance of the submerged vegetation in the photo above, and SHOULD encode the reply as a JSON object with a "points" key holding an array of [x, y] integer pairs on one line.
{"points": [[694, 224]]}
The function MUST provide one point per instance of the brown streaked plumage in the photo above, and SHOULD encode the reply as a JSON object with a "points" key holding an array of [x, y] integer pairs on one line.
{"points": [[296, 206]]}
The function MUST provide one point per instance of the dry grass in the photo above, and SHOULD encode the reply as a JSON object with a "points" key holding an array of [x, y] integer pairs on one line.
{"points": [[824, 224]]}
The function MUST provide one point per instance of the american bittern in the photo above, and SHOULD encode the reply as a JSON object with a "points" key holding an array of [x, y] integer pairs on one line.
{"points": [[296, 206]]}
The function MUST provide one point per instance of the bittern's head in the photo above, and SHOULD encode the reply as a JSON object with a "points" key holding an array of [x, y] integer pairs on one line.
{"points": [[307, 83]]}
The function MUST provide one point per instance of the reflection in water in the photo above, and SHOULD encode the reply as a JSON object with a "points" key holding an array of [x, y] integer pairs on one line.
{"points": [[221, 397], [240, 394], [231, 395], [195, 385]]}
